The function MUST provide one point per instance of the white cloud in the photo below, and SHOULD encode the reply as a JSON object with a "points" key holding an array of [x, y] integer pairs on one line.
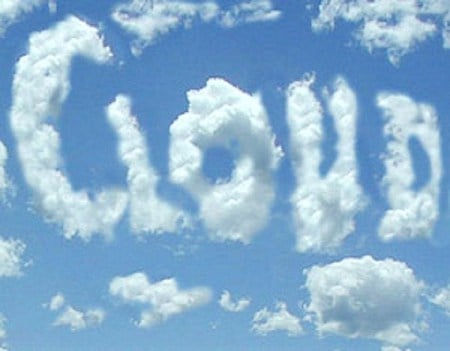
{"points": [[249, 11], [12, 10], [4, 181], [265, 321], [11, 263], [324, 207], [220, 115], [446, 31], [393, 348], [162, 299], [366, 298], [74, 319], [52, 6], [412, 213], [148, 213], [151, 19], [78, 320], [395, 26], [41, 84], [227, 303], [442, 299], [56, 302]]}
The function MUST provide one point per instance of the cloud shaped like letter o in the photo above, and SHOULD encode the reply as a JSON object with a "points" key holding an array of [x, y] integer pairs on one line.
{"points": [[220, 115]]}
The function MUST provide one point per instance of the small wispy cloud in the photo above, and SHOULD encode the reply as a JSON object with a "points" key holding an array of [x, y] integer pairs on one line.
{"points": [[72, 318]]}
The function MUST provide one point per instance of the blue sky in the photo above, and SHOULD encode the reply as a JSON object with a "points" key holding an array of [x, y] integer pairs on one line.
{"points": [[224, 175]]}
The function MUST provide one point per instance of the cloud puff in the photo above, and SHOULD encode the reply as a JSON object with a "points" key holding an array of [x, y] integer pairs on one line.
{"points": [[78, 320], [150, 19], [75, 319], [4, 181], [222, 115], [366, 298], [162, 299], [412, 213], [12, 10], [41, 84], [265, 321], [442, 299], [56, 302], [324, 207], [394, 26], [249, 11], [393, 348], [52, 6], [227, 303], [11, 263], [148, 213]]}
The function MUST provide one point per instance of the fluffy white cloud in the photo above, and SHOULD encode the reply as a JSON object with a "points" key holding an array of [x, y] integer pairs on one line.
{"points": [[148, 213], [11, 263], [248, 12], [442, 299], [393, 348], [150, 19], [162, 299], [41, 84], [4, 181], [222, 115], [74, 319], [395, 26], [227, 303], [78, 320], [265, 321], [56, 302], [413, 213], [324, 207], [12, 10], [366, 298]]}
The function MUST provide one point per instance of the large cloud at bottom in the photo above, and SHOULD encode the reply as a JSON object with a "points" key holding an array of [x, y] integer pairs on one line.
{"points": [[366, 298]]}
